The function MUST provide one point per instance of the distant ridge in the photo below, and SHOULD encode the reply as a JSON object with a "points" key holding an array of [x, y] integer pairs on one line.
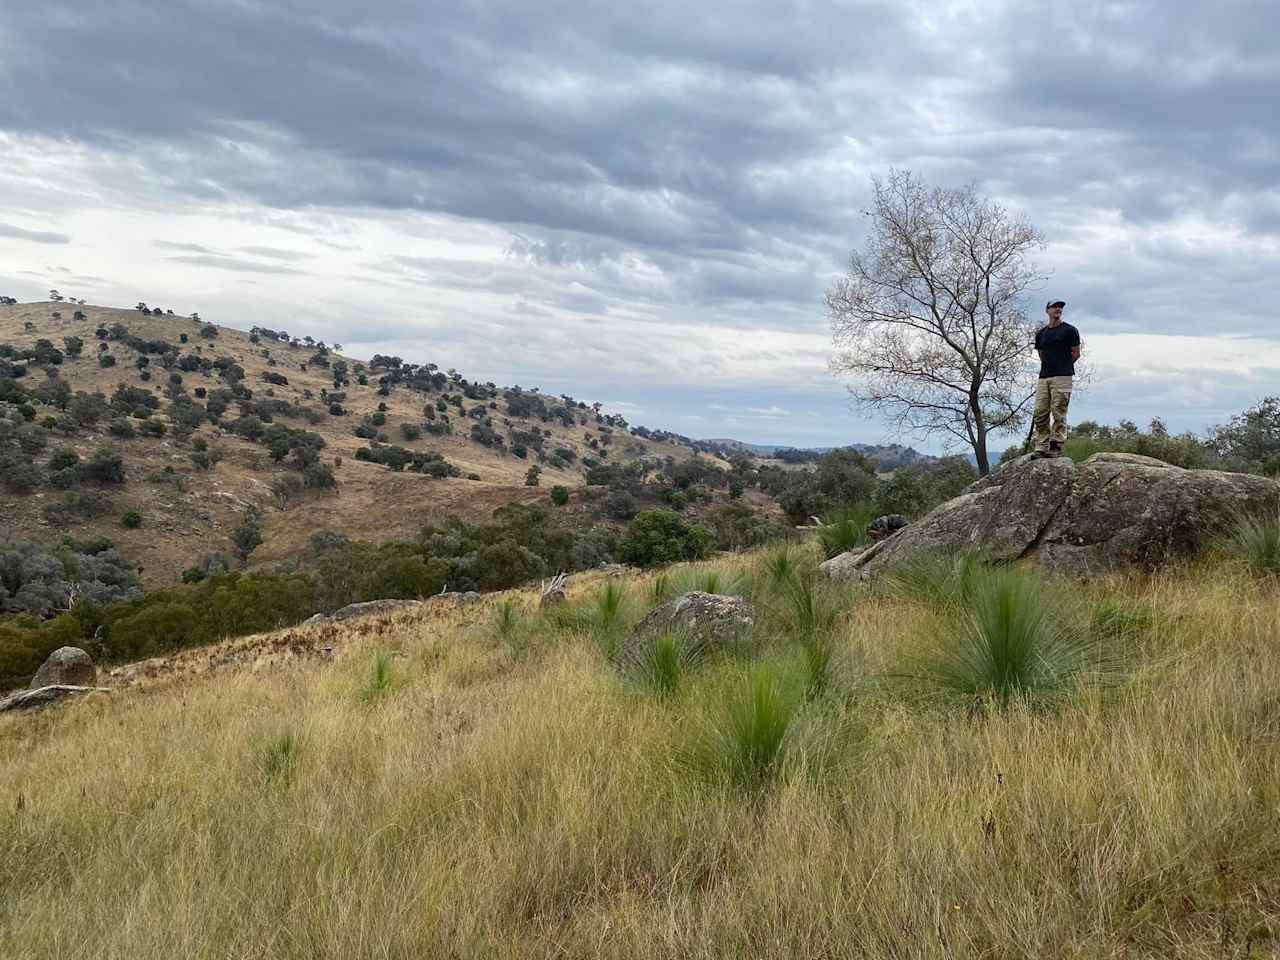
{"points": [[889, 456]]}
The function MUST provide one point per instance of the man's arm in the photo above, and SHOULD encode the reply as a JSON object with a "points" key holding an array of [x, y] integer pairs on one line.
{"points": [[1075, 353]]}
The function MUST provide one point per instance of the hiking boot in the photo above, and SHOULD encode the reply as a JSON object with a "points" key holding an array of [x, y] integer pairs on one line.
{"points": [[1055, 448]]}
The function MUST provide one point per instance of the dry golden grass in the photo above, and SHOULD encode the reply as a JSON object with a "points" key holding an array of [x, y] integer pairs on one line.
{"points": [[493, 803], [181, 526]]}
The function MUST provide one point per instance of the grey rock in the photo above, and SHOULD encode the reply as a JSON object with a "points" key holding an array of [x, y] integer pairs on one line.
{"points": [[710, 620], [46, 695], [66, 666], [1112, 511], [365, 609]]}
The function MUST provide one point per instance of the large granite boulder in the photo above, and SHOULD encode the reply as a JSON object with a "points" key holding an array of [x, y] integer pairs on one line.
{"points": [[1111, 511], [66, 666], [710, 621]]}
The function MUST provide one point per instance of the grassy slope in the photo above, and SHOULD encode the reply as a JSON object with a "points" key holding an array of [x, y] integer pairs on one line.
{"points": [[373, 502], [522, 804]]}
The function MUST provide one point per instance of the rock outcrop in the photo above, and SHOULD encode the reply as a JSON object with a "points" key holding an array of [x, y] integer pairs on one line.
{"points": [[66, 666], [709, 620], [1111, 511], [365, 609], [44, 696]]}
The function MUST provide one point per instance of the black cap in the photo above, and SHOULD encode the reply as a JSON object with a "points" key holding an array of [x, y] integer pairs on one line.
{"points": [[1055, 303]]}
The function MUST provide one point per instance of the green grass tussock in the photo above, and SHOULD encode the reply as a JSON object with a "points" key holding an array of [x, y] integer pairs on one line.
{"points": [[1018, 639], [1254, 542], [845, 530], [380, 679]]}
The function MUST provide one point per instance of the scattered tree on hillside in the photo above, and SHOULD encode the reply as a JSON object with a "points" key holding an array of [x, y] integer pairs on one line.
{"points": [[247, 537], [928, 318]]}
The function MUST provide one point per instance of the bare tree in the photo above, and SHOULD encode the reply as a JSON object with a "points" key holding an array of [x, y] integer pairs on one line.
{"points": [[928, 320]]}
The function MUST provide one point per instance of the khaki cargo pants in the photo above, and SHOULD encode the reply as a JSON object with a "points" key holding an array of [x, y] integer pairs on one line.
{"points": [[1053, 396]]}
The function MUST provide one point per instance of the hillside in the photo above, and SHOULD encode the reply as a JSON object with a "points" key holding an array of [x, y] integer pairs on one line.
{"points": [[188, 511], [484, 781]]}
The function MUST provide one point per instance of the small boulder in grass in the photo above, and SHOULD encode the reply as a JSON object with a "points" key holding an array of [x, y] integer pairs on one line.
{"points": [[66, 667], [711, 621]]}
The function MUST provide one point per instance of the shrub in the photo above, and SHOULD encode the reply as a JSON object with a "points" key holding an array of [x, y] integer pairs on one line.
{"points": [[21, 477], [619, 505], [131, 520], [106, 360], [531, 476], [319, 476], [122, 428], [559, 495], [247, 537], [62, 458], [22, 650], [663, 536], [410, 431], [106, 466], [153, 629], [286, 489]]}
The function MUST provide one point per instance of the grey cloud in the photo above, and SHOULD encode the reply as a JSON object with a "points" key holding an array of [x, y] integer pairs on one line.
{"points": [[186, 247], [230, 263], [276, 253], [704, 163], [35, 236]]}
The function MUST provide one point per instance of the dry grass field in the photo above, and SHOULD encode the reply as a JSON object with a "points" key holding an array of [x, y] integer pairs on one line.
{"points": [[373, 502], [481, 782]]}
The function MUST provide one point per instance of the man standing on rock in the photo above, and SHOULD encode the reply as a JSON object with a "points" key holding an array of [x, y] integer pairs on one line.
{"points": [[1058, 344]]}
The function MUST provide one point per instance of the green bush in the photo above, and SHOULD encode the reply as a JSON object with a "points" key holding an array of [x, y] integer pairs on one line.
{"points": [[156, 628], [619, 505], [663, 536], [106, 466], [559, 495], [21, 653], [63, 458], [131, 520]]}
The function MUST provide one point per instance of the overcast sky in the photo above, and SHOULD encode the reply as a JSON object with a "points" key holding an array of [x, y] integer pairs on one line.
{"points": [[642, 203]]}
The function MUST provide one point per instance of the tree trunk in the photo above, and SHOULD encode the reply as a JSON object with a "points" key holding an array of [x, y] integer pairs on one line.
{"points": [[980, 453], [979, 435]]}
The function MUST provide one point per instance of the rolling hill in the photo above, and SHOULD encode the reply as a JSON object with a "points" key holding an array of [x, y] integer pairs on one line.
{"points": [[485, 437]]}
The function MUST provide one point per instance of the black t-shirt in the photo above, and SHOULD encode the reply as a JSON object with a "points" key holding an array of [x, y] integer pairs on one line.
{"points": [[1054, 344]]}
